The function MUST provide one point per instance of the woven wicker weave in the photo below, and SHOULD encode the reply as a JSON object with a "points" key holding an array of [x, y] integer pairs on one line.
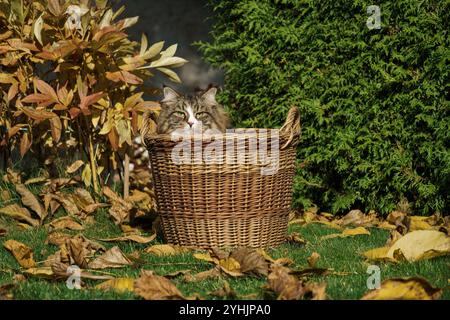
{"points": [[226, 204]]}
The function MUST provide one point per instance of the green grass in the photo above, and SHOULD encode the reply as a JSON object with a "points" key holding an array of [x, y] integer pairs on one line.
{"points": [[340, 254]]}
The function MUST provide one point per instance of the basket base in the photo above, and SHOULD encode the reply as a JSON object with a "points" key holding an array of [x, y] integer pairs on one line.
{"points": [[255, 232]]}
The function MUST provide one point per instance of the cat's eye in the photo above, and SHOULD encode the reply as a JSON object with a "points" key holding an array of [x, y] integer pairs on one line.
{"points": [[179, 114], [201, 114]]}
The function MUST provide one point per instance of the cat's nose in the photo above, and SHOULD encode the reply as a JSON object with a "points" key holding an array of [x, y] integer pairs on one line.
{"points": [[191, 123]]}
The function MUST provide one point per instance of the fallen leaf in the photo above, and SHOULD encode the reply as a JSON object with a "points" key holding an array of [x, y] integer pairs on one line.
{"points": [[5, 291], [347, 233], [250, 261], [36, 180], [74, 166], [418, 223], [404, 289], [225, 292], [165, 250], [66, 222], [2, 231], [205, 257], [295, 238], [120, 285], [396, 217], [113, 258], [176, 274], [132, 237], [5, 195], [153, 287], [312, 260], [22, 253], [378, 254], [286, 286], [230, 266], [201, 276], [19, 213], [40, 272], [354, 217], [421, 244], [57, 238], [30, 200], [68, 204]]}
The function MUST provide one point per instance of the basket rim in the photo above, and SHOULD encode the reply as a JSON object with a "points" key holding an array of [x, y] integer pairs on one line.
{"points": [[243, 133]]}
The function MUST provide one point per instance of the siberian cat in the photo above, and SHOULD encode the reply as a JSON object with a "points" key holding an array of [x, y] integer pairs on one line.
{"points": [[180, 111]]}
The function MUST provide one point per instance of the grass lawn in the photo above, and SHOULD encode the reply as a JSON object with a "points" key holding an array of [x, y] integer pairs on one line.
{"points": [[340, 254]]}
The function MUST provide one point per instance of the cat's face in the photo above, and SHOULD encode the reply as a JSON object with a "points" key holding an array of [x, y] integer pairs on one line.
{"points": [[191, 112]]}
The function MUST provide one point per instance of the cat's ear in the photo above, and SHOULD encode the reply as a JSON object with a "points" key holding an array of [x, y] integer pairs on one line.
{"points": [[170, 95], [210, 96]]}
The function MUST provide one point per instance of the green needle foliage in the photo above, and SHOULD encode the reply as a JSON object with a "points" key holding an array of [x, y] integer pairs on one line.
{"points": [[374, 102]]}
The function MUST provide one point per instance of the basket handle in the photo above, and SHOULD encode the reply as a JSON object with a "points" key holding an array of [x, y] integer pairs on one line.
{"points": [[292, 128]]}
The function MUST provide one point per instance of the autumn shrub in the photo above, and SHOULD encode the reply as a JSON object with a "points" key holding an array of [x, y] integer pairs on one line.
{"points": [[72, 80], [374, 102]]}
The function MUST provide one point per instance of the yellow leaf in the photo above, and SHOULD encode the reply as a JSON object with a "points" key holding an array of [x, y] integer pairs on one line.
{"points": [[22, 253], [132, 237], [404, 289], [377, 254], [418, 223], [165, 250], [205, 257], [355, 231], [119, 284], [347, 233], [421, 244], [230, 264], [40, 272], [86, 175]]}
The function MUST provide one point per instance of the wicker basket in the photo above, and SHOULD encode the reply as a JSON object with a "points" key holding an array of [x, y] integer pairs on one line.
{"points": [[230, 202]]}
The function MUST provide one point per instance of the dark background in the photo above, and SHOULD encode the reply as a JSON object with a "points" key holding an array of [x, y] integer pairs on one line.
{"points": [[176, 21]]}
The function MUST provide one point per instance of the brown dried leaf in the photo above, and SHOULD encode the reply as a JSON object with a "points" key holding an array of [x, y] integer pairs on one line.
{"points": [[5, 291], [225, 292], [295, 238], [5, 195], [66, 223], [22, 253], [57, 238], [74, 166], [201, 276], [312, 260], [354, 217], [30, 200], [250, 261], [153, 287], [19, 213], [286, 286], [113, 258]]}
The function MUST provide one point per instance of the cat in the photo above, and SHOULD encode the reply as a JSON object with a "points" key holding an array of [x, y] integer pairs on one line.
{"points": [[185, 112]]}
